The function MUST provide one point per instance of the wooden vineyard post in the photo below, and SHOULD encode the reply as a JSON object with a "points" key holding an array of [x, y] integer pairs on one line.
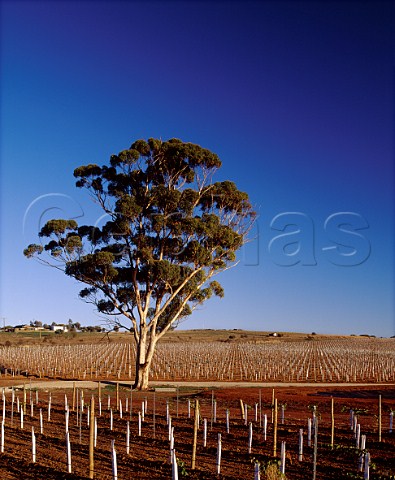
{"points": [[68, 452], [212, 409], [3, 405], [92, 438], [117, 398], [195, 430], [275, 429], [24, 399], [379, 418], [242, 409], [272, 405], [154, 415], [131, 402], [332, 423]]}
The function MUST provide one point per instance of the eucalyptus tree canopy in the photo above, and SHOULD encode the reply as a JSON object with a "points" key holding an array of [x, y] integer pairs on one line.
{"points": [[169, 230]]}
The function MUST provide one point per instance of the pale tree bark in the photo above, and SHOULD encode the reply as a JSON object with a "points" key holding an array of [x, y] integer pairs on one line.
{"points": [[144, 357]]}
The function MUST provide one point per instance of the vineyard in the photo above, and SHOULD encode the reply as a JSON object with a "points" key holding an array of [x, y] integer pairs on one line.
{"points": [[318, 432], [241, 433], [340, 360]]}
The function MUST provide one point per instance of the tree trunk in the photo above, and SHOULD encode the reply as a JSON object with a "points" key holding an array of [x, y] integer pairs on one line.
{"points": [[142, 376], [144, 358]]}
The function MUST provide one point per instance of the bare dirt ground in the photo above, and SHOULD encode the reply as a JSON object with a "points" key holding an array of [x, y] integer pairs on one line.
{"points": [[149, 453]]}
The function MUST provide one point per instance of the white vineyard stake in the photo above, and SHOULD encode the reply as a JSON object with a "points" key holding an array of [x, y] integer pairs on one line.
{"points": [[250, 438], [95, 433], [300, 457], [3, 405], [66, 413], [49, 408], [174, 466], [367, 461], [282, 464], [171, 444], [2, 437], [33, 446], [264, 427], [127, 438], [257, 471], [114, 461], [139, 425], [363, 442], [41, 421], [68, 452], [169, 428], [219, 452]]}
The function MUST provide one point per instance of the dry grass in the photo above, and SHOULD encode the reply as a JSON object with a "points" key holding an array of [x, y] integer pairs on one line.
{"points": [[176, 336], [272, 472]]}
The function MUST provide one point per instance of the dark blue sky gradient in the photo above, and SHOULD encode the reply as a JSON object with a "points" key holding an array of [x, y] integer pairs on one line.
{"points": [[297, 99]]}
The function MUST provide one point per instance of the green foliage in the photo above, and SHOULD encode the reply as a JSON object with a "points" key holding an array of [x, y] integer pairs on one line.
{"points": [[182, 470], [357, 410]]}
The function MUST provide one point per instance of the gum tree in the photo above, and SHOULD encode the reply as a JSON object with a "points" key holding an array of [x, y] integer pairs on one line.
{"points": [[169, 229]]}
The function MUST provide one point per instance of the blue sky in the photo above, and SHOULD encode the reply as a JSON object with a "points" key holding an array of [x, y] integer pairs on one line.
{"points": [[297, 99]]}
